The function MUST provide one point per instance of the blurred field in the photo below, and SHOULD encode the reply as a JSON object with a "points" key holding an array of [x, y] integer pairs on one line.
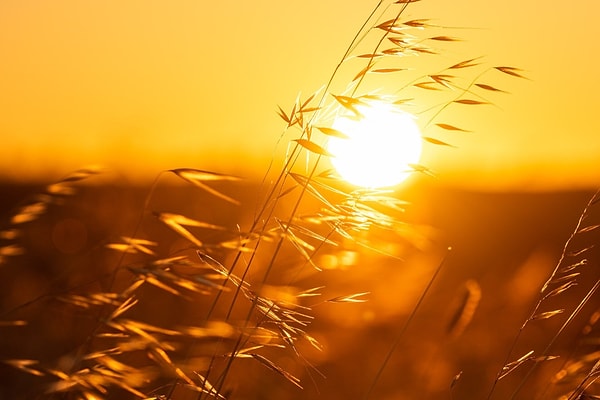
{"points": [[505, 244]]}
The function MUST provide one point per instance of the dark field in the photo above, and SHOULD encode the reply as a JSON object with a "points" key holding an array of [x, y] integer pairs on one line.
{"points": [[504, 246]]}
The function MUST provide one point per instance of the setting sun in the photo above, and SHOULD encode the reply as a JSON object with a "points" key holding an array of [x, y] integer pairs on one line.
{"points": [[380, 145]]}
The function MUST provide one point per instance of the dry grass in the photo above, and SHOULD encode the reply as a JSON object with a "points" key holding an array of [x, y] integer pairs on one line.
{"points": [[193, 303]]}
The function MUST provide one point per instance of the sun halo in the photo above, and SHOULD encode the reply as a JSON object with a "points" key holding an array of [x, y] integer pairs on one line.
{"points": [[380, 144]]}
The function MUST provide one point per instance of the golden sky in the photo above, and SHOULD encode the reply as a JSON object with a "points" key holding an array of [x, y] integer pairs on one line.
{"points": [[146, 85]]}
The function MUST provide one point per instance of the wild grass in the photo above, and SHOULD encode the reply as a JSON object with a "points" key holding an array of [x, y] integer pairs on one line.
{"points": [[208, 297]]}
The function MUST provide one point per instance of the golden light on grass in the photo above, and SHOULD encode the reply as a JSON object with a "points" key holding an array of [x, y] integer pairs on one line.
{"points": [[249, 265], [379, 145]]}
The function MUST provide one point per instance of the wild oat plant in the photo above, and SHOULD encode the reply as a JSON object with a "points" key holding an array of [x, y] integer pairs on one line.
{"points": [[213, 308]]}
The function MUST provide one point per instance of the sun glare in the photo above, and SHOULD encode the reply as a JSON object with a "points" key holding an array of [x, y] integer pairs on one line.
{"points": [[378, 147]]}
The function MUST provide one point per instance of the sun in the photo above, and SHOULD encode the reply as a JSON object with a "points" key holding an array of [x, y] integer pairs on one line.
{"points": [[378, 147]]}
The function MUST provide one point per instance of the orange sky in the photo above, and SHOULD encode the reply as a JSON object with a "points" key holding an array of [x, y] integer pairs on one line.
{"points": [[147, 85]]}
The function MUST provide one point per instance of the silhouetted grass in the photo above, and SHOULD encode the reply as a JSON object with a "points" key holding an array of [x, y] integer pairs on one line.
{"points": [[212, 293]]}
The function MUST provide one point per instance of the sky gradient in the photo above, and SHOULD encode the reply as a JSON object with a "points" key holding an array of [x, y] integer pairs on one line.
{"points": [[142, 86]]}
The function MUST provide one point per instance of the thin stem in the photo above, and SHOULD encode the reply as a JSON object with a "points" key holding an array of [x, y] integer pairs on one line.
{"points": [[266, 274], [400, 334]]}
